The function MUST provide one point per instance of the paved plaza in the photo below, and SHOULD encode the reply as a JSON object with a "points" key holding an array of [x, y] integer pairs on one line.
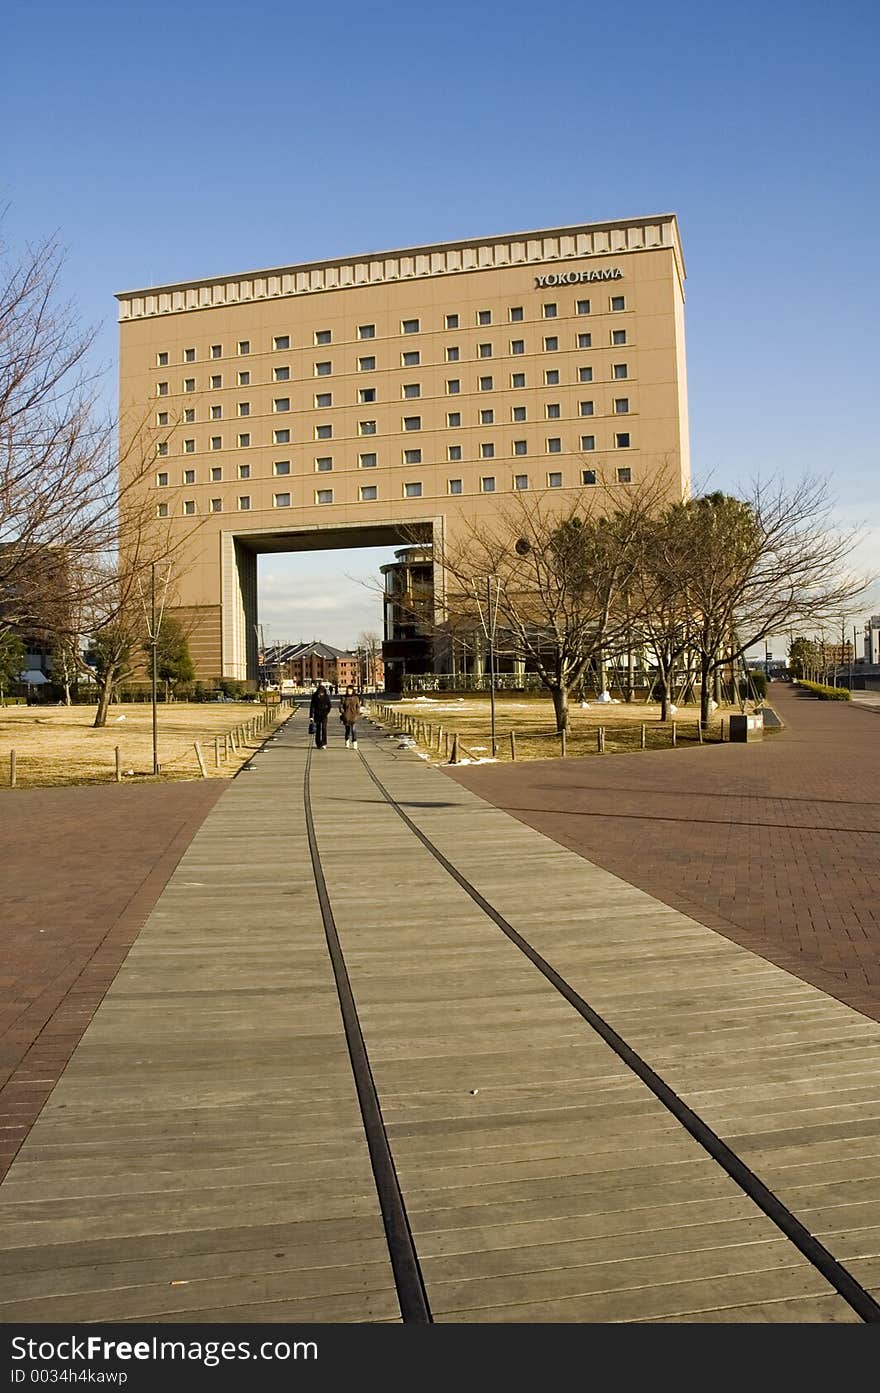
{"points": [[204, 1156]]}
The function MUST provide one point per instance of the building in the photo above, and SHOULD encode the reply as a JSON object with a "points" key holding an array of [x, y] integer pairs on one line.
{"points": [[389, 398], [872, 639], [304, 665]]}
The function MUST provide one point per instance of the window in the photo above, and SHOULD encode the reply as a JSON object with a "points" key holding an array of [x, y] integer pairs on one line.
{"points": [[244, 408], [369, 493], [487, 483], [323, 432], [585, 340], [583, 307], [366, 331], [453, 386], [551, 345], [323, 369], [453, 452], [244, 471], [189, 415], [189, 355], [162, 479], [162, 418], [281, 374], [410, 326], [412, 490], [162, 389], [618, 336], [411, 360], [323, 336], [189, 447], [283, 403], [520, 447], [588, 476], [161, 510], [620, 370], [588, 442], [554, 481], [281, 437], [485, 350], [244, 379], [412, 389], [585, 374], [552, 411], [454, 485], [453, 418], [216, 505], [281, 341], [367, 461], [487, 418], [216, 350], [518, 413], [244, 346], [586, 408], [366, 394], [216, 474], [321, 399], [412, 456], [244, 503], [554, 445], [161, 360], [484, 316], [487, 450], [549, 311], [517, 345], [621, 406], [216, 382], [452, 354], [551, 377], [281, 500], [452, 321], [412, 423], [366, 427], [216, 413], [216, 442], [281, 466], [366, 364], [621, 440], [624, 476], [520, 482], [189, 507], [518, 379], [485, 384], [516, 314], [324, 496], [618, 302], [162, 447], [324, 464]]}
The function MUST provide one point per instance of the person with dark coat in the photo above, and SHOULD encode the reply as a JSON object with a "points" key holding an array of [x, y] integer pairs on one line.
{"points": [[319, 710], [349, 710]]}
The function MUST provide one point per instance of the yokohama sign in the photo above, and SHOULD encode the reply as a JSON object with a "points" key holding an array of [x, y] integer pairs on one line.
{"points": [[579, 277]]}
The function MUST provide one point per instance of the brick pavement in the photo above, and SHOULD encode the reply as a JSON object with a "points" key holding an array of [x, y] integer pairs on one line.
{"points": [[775, 845], [80, 870]]}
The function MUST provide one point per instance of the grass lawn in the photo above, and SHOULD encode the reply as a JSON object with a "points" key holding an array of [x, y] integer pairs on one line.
{"points": [[57, 744]]}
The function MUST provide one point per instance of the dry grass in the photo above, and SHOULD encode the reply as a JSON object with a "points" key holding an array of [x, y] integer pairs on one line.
{"points": [[57, 745], [531, 718]]}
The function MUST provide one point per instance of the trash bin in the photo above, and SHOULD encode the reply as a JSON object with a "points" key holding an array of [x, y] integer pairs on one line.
{"points": [[744, 729]]}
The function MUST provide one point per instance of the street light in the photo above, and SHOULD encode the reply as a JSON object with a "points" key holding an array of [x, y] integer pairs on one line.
{"points": [[488, 625]]}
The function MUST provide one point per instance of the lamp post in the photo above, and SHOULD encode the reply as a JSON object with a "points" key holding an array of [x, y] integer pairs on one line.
{"points": [[154, 676], [488, 624]]}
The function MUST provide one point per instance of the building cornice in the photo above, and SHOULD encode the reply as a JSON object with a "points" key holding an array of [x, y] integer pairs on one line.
{"points": [[410, 263]]}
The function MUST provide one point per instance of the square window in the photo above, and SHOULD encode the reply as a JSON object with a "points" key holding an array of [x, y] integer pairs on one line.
{"points": [[410, 326], [487, 418], [624, 476], [485, 384], [162, 447], [453, 386], [412, 456], [189, 355], [369, 493], [366, 364], [551, 377], [162, 389], [454, 485], [324, 496], [554, 481], [189, 415], [216, 505], [411, 360], [551, 345], [244, 346], [323, 369], [189, 508], [244, 379], [553, 411], [244, 441], [618, 336], [452, 321], [518, 379], [366, 331], [621, 406], [621, 440], [516, 314], [619, 371], [487, 450], [161, 360], [161, 510], [485, 350], [189, 447], [216, 382], [281, 374], [549, 311], [324, 464], [412, 490], [162, 418], [520, 482], [281, 466], [216, 442], [244, 408], [586, 408], [412, 389], [453, 418], [189, 384], [585, 340], [162, 479], [588, 476], [281, 500], [366, 427], [281, 341], [517, 346], [281, 437], [588, 442], [583, 307], [367, 461], [520, 447], [585, 374], [366, 394], [487, 483], [453, 452], [321, 399], [323, 432], [554, 445], [518, 413], [216, 413], [484, 316], [452, 354], [412, 423], [216, 350], [283, 403], [323, 336], [618, 302], [244, 502], [244, 471], [216, 474]]}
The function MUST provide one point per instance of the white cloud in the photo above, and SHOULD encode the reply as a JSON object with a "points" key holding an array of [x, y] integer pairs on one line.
{"points": [[329, 595]]}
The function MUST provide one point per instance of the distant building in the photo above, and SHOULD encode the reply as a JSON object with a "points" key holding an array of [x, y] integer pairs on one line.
{"points": [[872, 639], [307, 664]]}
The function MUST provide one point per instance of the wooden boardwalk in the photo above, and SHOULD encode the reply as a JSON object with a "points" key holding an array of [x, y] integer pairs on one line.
{"points": [[203, 1156]]}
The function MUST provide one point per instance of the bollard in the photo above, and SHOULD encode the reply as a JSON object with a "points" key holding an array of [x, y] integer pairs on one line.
{"points": [[673, 734], [644, 742], [12, 768], [454, 758], [562, 742], [513, 745], [699, 732], [439, 739], [216, 751], [200, 757], [118, 765], [232, 742], [225, 748], [446, 745]]}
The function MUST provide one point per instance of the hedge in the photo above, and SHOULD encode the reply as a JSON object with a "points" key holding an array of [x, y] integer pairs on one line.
{"points": [[827, 693]]}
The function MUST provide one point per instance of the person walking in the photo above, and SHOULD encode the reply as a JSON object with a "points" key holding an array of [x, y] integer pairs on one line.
{"points": [[349, 710], [319, 710]]}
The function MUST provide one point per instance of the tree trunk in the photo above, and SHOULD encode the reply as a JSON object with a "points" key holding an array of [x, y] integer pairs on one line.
{"points": [[105, 696], [630, 674], [560, 706], [704, 689]]}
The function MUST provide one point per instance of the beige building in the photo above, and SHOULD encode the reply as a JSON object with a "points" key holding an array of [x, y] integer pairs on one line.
{"points": [[349, 402]]}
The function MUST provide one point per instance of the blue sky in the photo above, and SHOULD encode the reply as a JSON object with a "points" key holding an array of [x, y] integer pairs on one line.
{"points": [[167, 141]]}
